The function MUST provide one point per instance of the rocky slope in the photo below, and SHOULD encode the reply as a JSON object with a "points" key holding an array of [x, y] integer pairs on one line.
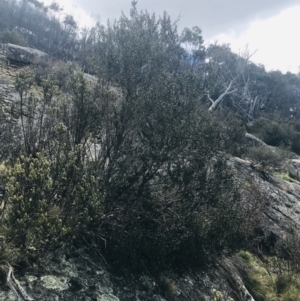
{"points": [[81, 274]]}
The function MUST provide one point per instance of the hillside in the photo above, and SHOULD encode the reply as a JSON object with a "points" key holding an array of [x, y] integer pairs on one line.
{"points": [[135, 169]]}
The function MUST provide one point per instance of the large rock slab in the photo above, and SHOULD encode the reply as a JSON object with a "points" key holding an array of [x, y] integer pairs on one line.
{"points": [[251, 140], [280, 199], [24, 55], [294, 168]]}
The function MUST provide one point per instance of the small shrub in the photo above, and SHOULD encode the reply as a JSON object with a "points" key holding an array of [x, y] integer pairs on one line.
{"points": [[49, 203], [286, 177], [266, 156], [245, 255], [278, 133], [217, 295], [234, 132], [28, 198], [271, 279], [12, 37], [271, 132], [282, 283]]}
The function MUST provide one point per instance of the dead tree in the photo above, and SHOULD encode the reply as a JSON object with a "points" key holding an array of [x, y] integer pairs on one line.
{"points": [[236, 83]]}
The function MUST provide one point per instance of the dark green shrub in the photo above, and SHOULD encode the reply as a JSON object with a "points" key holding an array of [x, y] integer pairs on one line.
{"points": [[32, 218], [278, 133], [158, 193], [234, 132], [186, 223], [57, 72], [268, 157], [49, 202], [295, 144], [12, 37], [294, 132], [271, 132]]}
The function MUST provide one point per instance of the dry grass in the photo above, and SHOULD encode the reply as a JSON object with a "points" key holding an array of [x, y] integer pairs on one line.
{"points": [[269, 284], [282, 187], [168, 286], [286, 177]]}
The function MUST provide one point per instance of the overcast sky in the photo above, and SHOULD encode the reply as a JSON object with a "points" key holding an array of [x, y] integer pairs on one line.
{"points": [[269, 26]]}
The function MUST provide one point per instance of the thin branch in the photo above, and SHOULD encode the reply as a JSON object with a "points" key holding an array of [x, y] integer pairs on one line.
{"points": [[216, 102], [11, 281]]}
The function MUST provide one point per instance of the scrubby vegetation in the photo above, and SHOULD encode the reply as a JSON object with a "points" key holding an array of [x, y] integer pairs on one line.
{"points": [[270, 279], [136, 176], [278, 133], [129, 161], [31, 23], [132, 159], [268, 157]]}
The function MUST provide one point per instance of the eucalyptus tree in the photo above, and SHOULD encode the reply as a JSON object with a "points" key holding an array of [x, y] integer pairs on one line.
{"points": [[234, 81]]}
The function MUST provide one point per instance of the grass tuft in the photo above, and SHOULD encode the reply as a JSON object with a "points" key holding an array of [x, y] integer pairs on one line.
{"points": [[168, 286], [278, 285]]}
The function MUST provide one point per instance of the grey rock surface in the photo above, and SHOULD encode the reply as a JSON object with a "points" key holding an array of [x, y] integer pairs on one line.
{"points": [[107, 297], [294, 168], [251, 140], [282, 198], [24, 55]]}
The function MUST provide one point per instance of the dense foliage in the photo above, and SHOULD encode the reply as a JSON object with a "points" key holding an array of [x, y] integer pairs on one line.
{"points": [[31, 23], [277, 133], [130, 159]]}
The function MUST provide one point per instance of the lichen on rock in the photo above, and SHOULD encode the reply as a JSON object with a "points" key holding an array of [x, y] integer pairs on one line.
{"points": [[55, 283]]}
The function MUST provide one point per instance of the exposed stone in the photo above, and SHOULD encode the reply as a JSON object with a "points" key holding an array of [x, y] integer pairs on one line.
{"points": [[24, 55], [55, 283], [282, 198], [147, 283], [31, 280], [107, 297], [294, 168], [251, 140]]}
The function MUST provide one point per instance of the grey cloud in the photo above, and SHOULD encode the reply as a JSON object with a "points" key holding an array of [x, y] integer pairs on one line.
{"points": [[212, 16]]}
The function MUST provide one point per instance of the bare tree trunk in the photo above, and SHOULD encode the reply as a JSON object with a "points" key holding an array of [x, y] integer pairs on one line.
{"points": [[218, 101]]}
